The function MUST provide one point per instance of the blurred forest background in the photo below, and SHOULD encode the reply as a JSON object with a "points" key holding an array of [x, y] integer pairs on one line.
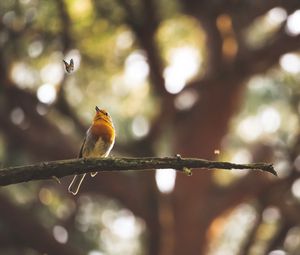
{"points": [[209, 79]]}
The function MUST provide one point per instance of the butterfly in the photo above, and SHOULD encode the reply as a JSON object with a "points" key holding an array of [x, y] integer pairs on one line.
{"points": [[69, 67]]}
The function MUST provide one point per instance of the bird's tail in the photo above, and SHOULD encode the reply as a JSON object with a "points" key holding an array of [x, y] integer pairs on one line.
{"points": [[76, 183]]}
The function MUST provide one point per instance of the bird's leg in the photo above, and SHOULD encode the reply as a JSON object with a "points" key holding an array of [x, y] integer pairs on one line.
{"points": [[93, 174]]}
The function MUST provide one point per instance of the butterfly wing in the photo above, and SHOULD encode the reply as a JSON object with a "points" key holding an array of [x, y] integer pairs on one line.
{"points": [[66, 63], [71, 65]]}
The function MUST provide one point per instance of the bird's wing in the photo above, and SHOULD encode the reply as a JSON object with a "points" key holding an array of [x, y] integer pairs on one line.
{"points": [[81, 149]]}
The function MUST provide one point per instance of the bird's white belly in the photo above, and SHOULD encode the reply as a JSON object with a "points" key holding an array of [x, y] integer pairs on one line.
{"points": [[100, 149]]}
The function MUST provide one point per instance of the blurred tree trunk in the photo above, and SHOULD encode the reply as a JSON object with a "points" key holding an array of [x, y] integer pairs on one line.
{"points": [[199, 135]]}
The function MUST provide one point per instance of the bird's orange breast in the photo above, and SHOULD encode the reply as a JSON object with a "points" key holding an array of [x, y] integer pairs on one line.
{"points": [[106, 131]]}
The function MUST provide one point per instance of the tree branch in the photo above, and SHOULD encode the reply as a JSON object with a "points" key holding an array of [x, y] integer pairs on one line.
{"points": [[47, 170]]}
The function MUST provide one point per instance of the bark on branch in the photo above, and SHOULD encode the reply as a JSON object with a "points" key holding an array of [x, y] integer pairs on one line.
{"points": [[61, 168]]}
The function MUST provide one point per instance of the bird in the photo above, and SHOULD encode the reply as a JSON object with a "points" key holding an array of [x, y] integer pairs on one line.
{"points": [[98, 142], [69, 67]]}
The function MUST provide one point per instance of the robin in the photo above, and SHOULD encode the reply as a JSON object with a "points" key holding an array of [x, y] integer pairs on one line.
{"points": [[99, 140]]}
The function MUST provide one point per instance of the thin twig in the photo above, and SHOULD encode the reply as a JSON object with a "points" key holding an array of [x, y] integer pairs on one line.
{"points": [[46, 170]]}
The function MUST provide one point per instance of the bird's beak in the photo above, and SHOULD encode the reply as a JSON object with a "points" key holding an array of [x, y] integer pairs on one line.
{"points": [[97, 109]]}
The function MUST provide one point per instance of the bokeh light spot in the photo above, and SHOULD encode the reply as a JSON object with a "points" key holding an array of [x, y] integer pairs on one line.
{"points": [[165, 180], [186, 100], [125, 226], [140, 126], [95, 253], [125, 40], [292, 25], [46, 93], [41, 109], [60, 234], [23, 75], [292, 240], [271, 214], [52, 73], [277, 252], [45, 196], [283, 168], [290, 62], [184, 64], [224, 23], [136, 69], [297, 163], [270, 120], [17, 116], [296, 189], [276, 16], [249, 129], [35, 49]]}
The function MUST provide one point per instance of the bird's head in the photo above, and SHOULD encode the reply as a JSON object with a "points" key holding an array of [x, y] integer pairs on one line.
{"points": [[102, 115]]}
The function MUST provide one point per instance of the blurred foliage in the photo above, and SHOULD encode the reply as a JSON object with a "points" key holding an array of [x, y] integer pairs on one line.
{"points": [[111, 71]]}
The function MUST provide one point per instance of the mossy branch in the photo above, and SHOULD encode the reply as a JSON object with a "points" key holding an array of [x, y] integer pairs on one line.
{"points": [[61, 168]]}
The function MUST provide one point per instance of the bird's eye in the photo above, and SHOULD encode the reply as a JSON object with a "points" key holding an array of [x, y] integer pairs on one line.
{"points": [[106, 113]]}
